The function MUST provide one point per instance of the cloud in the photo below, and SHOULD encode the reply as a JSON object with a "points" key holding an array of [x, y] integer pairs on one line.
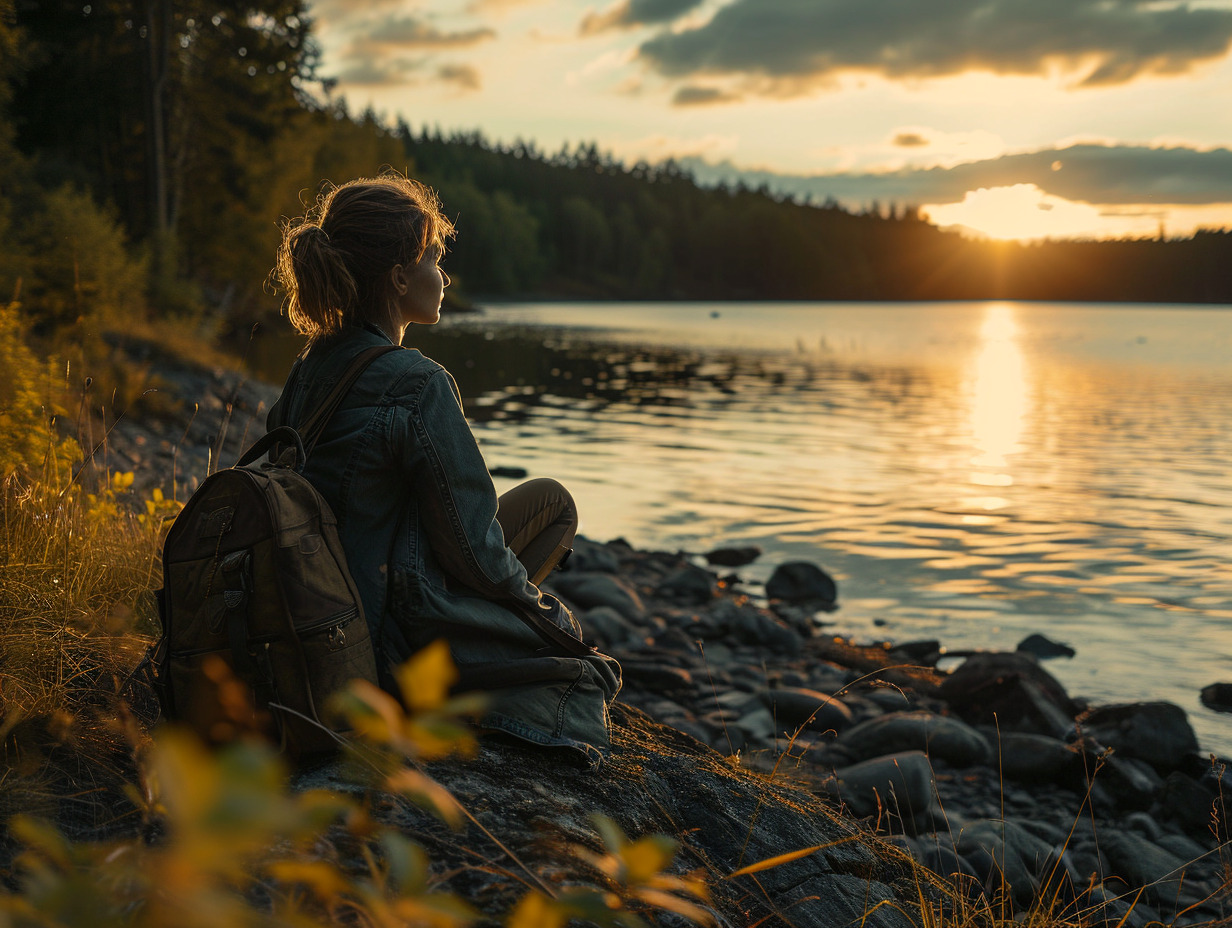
{"points": [[409, 32], [690, 95], [629, 13], [1101, 174], [376, 70], [462, 76], [909, 140], [793, 45]]}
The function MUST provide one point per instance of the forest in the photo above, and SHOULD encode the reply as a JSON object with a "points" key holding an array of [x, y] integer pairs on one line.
{"points": [[153, 149]]}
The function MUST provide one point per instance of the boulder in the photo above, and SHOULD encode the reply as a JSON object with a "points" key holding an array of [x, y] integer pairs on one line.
{"points": [[796, 706], [1156, 732], [1044, 648], [588, 589], [900, 785], [1006, 858], [1034, 759], [604, 626], [939, 736], [802, 582], [689, 584], [1218, 696], [657, 781], [592, 556], [1009, 689], [733, 557]]}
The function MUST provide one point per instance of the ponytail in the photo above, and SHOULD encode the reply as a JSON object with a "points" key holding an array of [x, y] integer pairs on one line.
{"points": [[321, 292]]}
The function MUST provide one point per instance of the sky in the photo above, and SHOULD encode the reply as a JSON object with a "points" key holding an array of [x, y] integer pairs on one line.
{"points": [[1007, 118]]}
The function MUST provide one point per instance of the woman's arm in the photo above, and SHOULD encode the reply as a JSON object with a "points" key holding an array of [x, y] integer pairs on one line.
{"points": [[458, 502]]}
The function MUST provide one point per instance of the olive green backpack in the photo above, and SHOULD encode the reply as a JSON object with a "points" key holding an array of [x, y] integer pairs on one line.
{"points": [[256, 590]]}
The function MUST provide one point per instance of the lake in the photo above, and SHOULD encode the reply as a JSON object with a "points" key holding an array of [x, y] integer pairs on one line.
{"points": [[972, 472]]}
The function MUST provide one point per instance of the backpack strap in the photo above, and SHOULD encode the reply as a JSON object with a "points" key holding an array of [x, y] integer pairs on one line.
{"points": [[312, 429], [305, 439]]}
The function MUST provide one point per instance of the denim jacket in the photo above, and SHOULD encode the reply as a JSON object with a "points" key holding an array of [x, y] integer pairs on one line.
{"points": [[416, 511]]}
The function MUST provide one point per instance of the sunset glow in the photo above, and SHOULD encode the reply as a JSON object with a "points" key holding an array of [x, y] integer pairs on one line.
{"points": [[1086, 132]]}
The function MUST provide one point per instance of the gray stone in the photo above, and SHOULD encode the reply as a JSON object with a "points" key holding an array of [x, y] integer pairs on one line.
{"points": [[587, 589], [901, 784], [1217, 696], [689, 584], [592, 556], [802, 581], [733, 557], [1011, 689], [939, 736], [796, 706], [758, 723], [1044, 648], [1029, 758], [1141, 862], [1156, 732], [1006, 857], [607, 626]]}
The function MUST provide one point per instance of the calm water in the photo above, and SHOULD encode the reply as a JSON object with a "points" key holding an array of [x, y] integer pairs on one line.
{"points": [[972, 472]]}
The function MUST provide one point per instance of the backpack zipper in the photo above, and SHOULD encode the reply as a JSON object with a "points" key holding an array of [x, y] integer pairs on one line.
{"points": [[336, 626]]}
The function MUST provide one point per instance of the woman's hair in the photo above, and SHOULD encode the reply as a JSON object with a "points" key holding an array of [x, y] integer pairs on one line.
{"points": [[334, 263]]}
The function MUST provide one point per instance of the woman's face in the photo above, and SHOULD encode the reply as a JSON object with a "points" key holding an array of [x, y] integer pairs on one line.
{"points": [[420, 288]]}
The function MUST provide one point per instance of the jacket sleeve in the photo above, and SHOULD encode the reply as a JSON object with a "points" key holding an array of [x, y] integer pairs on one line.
{"points": [[458, 502]]}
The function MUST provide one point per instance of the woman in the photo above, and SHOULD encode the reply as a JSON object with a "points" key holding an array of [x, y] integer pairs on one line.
{"points": [[433, 552]]}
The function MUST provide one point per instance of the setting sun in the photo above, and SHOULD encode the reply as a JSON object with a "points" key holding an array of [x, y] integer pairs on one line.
{"points": [[1025, 212]]}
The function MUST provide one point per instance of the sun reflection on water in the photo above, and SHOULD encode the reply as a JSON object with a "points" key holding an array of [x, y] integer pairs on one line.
{"points": [[998, 392]]}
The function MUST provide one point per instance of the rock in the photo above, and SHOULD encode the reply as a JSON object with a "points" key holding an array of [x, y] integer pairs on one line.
{"points": [[733, 557], [900, 785], [512, 473], [689, 584], [588, 589], [1006, 857], [1141, 862], [657, 678], [938, 736], [802, 581], [592, 556], [1011, 689], [797, 706], [657, 781], [1044, 648], [1133, 783], [607, 626], [1188, 803], [1029, 758], [1218, 696], [1156, 732]]}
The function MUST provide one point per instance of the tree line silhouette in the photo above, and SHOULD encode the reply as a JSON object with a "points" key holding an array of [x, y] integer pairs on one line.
{"points": [[151, 150]]}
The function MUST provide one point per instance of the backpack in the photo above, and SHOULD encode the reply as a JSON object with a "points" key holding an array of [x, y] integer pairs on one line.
{"points": [[256, 589]]}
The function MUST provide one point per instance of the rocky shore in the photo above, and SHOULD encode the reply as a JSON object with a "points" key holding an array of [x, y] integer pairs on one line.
{"points": [[747, 732], [990, 774]]}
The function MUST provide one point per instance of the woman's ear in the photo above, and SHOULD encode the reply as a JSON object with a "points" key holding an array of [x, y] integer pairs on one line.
{"points": [[399, 279]]}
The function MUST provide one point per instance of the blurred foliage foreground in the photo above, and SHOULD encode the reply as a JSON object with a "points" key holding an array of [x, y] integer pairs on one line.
{"points": [[104, 824]]}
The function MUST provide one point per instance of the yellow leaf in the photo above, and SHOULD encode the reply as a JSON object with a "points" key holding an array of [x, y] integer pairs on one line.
{"points": [[646, 857], [323, 879], [772, 862], [671, 903], [536, 910], [425, 679]]}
